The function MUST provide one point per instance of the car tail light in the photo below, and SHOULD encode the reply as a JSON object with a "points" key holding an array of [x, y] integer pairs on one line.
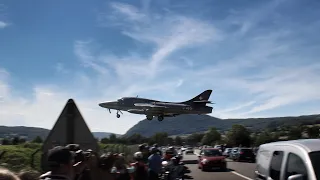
{"points": [[241, 152]]}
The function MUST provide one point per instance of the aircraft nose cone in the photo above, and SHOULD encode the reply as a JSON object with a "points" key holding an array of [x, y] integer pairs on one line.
{"points": [[108, 104]]}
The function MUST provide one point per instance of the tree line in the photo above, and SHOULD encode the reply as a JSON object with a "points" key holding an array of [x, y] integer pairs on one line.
{"points": [[238, 135]]}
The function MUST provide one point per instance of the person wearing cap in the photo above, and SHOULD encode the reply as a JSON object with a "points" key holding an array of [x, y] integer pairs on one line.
{"points": [[60, 162], [143, 148], [157, 147], [154, 164]]}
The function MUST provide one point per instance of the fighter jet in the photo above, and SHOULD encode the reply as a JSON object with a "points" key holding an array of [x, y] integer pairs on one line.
{"points": [[161, 109]]}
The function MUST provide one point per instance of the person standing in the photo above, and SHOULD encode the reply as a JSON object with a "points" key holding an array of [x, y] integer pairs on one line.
{"points": [[154, 165]]}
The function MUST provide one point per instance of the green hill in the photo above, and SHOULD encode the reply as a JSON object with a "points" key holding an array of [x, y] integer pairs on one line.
{"points": [[187, 124], [31, 132], [183, 124]]}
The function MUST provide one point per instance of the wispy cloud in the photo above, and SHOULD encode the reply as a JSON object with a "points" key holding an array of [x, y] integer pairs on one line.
{"points": [[258, 59], [169, 32], [3, 24]]}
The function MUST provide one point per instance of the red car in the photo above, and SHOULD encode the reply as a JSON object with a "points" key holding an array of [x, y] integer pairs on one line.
{"points": [[210, 158]]}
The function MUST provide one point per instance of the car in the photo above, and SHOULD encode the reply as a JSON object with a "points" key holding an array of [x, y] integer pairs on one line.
{"points": [[244, 154], [183, 149], [189, 150], [227, 152], [233, 152], [289, 160], [210, 158]]}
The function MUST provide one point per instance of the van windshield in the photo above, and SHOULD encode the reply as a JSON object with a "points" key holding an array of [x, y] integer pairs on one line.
{"points": [[315, 159]]}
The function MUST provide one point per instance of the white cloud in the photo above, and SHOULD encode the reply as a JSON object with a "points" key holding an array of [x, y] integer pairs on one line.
{"points": [[3, 24], [176, 57]]}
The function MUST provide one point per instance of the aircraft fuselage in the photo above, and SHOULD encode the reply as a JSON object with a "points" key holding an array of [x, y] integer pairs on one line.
{"points": [[150, 107]]}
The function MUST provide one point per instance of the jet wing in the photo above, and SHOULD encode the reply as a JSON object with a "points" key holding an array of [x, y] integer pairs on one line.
{"points": [[149, 105]]}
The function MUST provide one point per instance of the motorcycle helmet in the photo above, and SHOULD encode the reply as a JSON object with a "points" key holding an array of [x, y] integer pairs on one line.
{"points": [[138, 155]]}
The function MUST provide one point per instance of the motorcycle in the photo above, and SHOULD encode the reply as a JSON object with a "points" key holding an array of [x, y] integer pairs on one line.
{"points": [[174, 171]]}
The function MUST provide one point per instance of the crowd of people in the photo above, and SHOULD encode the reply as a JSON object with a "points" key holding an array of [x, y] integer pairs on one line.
{"points": [[71, 163]]}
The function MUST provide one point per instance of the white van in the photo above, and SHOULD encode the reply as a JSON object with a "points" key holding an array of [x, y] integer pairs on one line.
{"points": [[289, 160]]}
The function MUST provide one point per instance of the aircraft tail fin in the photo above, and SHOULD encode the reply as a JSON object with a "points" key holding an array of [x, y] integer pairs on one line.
{"points": [[202, 98]]}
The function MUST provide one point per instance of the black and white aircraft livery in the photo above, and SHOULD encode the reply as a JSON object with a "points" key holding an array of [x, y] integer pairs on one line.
{"points": [[161, 109]]}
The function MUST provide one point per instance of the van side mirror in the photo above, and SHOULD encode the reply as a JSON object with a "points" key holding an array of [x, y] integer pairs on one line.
{"points": [[296, 177]]}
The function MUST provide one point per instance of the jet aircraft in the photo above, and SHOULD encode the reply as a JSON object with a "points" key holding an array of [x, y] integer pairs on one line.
{"points": [[161, 109]]}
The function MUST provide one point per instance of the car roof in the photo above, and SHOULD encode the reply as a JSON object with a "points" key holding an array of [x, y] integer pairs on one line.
{"points": [[309, 145]]}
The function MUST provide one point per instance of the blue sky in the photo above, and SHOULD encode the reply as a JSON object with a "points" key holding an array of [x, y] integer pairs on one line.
{"points": [[261, 58]]}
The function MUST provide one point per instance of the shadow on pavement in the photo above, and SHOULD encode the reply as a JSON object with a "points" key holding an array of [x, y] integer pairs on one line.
{"points": [[241, 161], [190, 161], [219, 170], [188, 177]]}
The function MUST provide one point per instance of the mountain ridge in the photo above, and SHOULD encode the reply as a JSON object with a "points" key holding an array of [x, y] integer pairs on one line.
{"points": [[31, 132], [185, 124]]}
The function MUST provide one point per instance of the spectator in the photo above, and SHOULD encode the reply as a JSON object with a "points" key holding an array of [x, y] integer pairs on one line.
{"points": [[5, 174], [120, 168], [140, 167], [60, 162], [155, 165], [105, 164]]}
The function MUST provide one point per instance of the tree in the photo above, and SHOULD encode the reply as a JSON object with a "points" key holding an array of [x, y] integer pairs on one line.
{"points": [[22, 140], [178, 141], [263, 138], [169, 140], [295, 133], [113, 138], [15, 140], [160, 138], [238, 135], [194, 138], [313, 132], [135, 139], [6, 141], [105, 140], [211, 137], [37, 139]]}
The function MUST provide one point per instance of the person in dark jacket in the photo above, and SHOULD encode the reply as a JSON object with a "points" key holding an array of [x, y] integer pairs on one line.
{"points": [[60, 162], [154, 165]]}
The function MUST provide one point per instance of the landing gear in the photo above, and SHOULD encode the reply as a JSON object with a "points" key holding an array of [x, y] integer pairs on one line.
{"points": [[160, 118], [149, 117], [118, 115]]}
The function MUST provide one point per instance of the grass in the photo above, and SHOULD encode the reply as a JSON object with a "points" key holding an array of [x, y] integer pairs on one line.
{"points": [[19, 157]]}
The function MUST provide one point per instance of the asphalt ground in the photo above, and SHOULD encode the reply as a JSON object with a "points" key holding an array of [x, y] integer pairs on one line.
{"points": [[236, 170]]}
